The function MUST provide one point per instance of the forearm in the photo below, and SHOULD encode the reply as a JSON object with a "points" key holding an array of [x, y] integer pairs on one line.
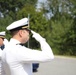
{"points": [[46, 48]]}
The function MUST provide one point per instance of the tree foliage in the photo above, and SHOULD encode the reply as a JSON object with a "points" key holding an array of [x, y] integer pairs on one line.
{"points": [[11, 7], [63, 26]]}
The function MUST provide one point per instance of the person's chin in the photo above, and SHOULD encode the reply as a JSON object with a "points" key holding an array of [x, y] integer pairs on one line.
{"points": [[26, 40]]}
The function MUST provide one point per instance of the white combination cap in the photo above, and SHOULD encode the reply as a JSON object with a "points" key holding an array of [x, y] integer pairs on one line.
{"points": [[23, 23], [2, 34]]}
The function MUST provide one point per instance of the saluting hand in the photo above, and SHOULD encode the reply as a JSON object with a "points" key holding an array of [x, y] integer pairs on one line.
{"points": [[37, 36]]}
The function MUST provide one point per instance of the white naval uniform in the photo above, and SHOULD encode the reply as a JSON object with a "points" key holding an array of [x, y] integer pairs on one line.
{"points": [[17, 59], [0, 59], [0, 53], [2, 72]]}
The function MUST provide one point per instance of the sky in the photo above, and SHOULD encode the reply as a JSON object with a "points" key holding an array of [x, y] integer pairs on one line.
{"points": [[41, 1], [39, 6]]}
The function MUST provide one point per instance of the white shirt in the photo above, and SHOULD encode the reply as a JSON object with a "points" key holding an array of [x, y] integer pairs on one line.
{"points": [[2, 72], [17, 59], [0, 59], [0, 53]]}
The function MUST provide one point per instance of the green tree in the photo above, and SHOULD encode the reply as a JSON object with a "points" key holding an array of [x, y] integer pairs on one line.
{"points": [[62, 26], [11, 7], [4, 22], [59, 28]]}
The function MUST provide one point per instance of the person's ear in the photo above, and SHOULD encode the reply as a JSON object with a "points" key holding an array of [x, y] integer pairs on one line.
{"points": [[20, 33]]}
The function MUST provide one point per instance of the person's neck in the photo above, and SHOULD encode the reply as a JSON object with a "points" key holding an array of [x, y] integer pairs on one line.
{"points": [[17, 38]]}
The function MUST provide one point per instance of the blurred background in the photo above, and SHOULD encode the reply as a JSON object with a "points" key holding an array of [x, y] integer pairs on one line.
{"points": [[55, 20]]}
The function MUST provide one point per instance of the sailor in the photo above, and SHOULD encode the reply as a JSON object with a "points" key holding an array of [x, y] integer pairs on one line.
{"points": [[17, 59], [3, 42]]}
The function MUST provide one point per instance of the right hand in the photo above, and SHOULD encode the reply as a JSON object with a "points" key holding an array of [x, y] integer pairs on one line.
{"points": [[37, 36]]}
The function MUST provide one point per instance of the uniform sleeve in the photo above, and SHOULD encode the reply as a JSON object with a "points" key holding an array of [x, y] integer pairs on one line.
{"points": [[5, 42], [0, 53], [27, 55]]}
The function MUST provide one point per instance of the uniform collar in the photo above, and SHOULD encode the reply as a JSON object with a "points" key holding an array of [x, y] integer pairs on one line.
{"points": [[14, 41]]}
